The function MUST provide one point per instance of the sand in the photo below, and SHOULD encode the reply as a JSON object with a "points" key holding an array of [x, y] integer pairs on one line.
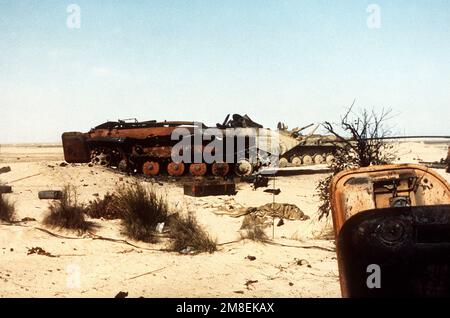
{"points": [[84, 267]]}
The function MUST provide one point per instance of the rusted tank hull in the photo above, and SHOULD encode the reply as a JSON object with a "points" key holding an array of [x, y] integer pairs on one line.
{"points": [[151, 148], [396, 218]]}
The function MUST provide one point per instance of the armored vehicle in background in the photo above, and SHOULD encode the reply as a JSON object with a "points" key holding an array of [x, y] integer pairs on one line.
{"points": [[310, 149]]}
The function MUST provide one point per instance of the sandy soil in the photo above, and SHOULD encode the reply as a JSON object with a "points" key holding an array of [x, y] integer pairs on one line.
{"points": [[84, 267]]}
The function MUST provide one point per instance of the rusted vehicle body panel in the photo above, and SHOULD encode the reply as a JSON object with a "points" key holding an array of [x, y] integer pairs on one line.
{"points": [[398, 218]]}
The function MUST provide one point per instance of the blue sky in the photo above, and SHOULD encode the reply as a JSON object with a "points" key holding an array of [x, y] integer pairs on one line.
{"points": [[293, 61]]}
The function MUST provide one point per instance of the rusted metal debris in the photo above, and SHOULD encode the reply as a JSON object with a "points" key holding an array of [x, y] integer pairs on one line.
{"points": [[5, 169], [398, 218], [199, 188], [5, 189], [50, 195]]}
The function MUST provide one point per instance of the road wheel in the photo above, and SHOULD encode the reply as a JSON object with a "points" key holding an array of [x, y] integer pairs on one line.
{"points": [[244, 168], [318, 159], [150, 168], [296, 161], [175, 169], [329, 160], [198, 169], [307, 160], [220, 168], [283, 162]]}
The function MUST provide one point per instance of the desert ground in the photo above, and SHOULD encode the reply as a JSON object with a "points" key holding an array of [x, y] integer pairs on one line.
{"points": [[301, 261]]}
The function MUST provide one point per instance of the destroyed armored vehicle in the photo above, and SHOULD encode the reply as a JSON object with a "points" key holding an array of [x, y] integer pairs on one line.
{"points": [[310, 149], [149, 147], [392, 228]]}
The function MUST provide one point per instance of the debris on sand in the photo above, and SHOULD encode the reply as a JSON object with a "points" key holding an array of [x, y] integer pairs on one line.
{"points": [[188, 250], [121, 294], [250, 258], [263, 215], [260, 182], [5, 169], [63, 164], [249, 283], [301, 262], [39, 251], [238, 292], [50, 195], [27, 219], [273, 191], [199, 188], [280, 210], [5, 189]]}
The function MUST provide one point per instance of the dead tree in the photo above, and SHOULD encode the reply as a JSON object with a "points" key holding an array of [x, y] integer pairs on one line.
{"points": [[360, 143]]}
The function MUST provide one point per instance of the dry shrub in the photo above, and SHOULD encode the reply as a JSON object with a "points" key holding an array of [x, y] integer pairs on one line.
{"points": [[106, 208], [68, 213], [141, 211], [360, 143], [253, 229], [7, 210], [188, 234]]}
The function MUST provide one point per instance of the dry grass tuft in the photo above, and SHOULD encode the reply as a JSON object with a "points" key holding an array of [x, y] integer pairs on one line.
{"points": [[141, 210], [252, 229], [188, 234], [7, 210], [68, 213], [106, 208]]}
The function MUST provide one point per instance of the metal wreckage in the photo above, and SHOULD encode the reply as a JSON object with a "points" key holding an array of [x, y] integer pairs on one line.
{"points": [[391, 223], [149, 147], [392, 229]]}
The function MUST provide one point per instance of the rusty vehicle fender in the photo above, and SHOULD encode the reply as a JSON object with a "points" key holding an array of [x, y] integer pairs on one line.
{"points": [[398, 218]]}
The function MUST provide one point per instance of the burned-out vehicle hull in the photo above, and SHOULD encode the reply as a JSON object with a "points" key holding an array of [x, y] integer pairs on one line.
{"points": [[149, 147], [392, 228]]}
